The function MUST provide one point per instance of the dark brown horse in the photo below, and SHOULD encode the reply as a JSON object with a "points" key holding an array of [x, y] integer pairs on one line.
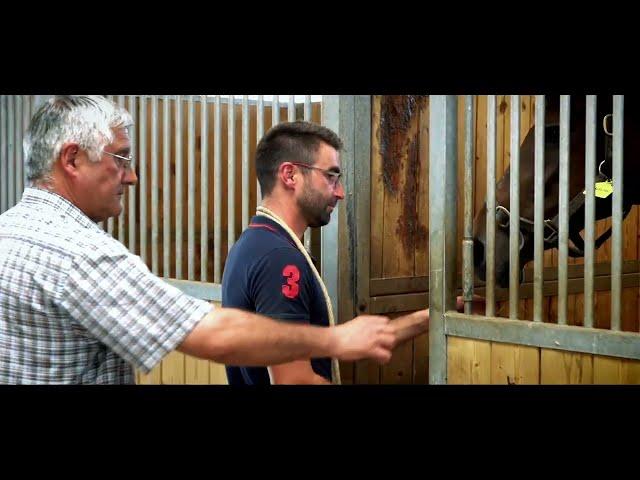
{"points": [[631, 194]]}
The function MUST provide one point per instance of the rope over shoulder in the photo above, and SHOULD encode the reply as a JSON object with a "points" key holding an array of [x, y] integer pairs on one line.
{"points": [[265, 212]]}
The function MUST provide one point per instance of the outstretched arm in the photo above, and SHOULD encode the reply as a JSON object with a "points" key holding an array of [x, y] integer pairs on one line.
{"points": [[410, 326], [237, 337]]}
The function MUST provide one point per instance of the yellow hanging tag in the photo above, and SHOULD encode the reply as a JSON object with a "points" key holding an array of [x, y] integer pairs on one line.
{"points": [[604, 189]]}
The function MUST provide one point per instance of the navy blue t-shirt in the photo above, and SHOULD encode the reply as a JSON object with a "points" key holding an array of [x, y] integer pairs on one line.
{"points": [[267, 274]]}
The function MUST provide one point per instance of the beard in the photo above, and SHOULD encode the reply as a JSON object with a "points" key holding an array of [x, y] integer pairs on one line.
{"points": [[313, 207]]}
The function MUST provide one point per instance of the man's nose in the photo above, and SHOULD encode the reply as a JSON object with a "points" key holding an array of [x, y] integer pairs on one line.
{"points": [[130, 176]]}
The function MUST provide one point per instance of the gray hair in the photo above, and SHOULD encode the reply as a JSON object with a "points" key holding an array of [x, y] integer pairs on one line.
{"points": [[87, 120]]}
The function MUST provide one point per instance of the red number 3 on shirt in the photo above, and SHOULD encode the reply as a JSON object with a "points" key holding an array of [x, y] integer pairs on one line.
{"points": [[291, 288]]}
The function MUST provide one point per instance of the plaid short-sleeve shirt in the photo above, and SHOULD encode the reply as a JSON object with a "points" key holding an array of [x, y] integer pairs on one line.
{"points": [[75, 305]]}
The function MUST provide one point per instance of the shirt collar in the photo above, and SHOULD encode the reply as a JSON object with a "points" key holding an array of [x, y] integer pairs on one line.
{"points": [[56, 202]]}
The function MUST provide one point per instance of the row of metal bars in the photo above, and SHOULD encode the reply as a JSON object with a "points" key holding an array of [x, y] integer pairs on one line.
{"points": [[15, 112], [514, 223]]}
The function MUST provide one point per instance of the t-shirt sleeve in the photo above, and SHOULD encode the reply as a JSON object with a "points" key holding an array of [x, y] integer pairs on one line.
{"points": [[280, 284]]}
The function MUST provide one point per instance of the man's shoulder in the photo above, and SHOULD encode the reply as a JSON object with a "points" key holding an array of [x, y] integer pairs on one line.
{"points": [[91, 242], [265, 257], [50, 230], [266, 235], [252, 259], [254, 244]]}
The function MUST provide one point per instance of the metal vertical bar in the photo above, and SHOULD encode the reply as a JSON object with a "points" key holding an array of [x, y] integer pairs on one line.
{"points": [[616, 210], [11, 155], [514, 205], [121, 216], [291, 109], [26, 118], [339, 115], [28, 109], [491, 206], [4, 162], [155, 214], [307, 108], [442, 227], [110, 221], [217, 204], [589, 208], [245, 161], [275, 111], [538, 205], [166, 188], [143, 178], [18, 146], [178, 202], [563, 209], [131, 191], [307, 118], [467, 242], [231, 173], [191, 191], [359, 218], [204, 187], [259, 134]]}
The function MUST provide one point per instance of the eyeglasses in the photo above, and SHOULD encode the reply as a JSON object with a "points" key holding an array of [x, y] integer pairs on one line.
{"points": [[125, 163], [333, 177]]}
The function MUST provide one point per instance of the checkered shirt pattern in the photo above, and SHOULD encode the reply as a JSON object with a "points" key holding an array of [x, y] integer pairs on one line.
{"points": [[75, 305]]}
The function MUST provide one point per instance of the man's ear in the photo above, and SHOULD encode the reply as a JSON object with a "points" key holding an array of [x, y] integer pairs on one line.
{"points": [[286, 174], [68, 157]]}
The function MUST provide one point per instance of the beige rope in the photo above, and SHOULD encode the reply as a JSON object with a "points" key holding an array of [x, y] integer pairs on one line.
{"points": [[265, 212]]}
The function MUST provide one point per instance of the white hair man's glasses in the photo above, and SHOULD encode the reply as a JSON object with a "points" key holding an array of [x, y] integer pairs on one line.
{"points": [[125, 163]]}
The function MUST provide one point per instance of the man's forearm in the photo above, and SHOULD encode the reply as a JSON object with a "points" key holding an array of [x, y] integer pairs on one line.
{"points": [[236, 337]]}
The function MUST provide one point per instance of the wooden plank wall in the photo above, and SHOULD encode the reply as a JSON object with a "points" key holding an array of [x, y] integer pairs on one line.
{"points": [[482, 362], [180, 369], [399, 218], [399, 235]]}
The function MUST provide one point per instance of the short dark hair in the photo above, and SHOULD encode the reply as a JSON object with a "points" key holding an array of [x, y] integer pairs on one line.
{"points": [[290, 141]]}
